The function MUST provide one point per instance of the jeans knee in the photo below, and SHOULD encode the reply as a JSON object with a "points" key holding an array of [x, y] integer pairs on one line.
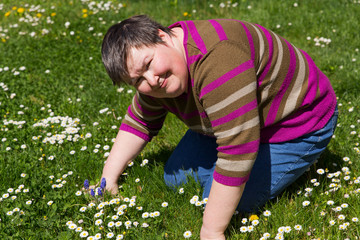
{"points": [[170, 180], [174, 180]]}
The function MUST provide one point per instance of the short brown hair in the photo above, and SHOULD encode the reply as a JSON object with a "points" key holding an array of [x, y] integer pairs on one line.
{"points": [[137, 31]]}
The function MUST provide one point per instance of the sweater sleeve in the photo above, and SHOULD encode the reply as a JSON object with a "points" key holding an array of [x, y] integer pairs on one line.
{"points": [[144, 117], [226, 85]]}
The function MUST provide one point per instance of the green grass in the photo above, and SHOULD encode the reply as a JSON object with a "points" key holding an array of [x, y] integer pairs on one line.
{"points": [[76, 86]]}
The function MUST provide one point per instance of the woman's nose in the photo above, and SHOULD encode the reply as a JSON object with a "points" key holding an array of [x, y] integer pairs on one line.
{"points": [[152, 79]]}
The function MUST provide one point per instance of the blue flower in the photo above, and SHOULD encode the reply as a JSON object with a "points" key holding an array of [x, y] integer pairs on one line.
{"points": [[86, 184], [99, 192], [103, 183], [92, 192]]}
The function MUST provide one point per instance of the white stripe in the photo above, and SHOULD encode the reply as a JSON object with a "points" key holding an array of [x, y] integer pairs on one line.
{"points": [[262, 49], [274, 75], [295, 91], [235, 166], [128, 118], [236, 130], [232, 98]]}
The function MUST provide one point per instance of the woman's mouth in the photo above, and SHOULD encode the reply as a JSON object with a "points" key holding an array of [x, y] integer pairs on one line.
{"points": [[164, 82]]}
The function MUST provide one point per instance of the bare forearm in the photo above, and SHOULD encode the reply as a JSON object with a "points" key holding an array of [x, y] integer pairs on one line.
{"points": [[126, 147], [219, 209]]}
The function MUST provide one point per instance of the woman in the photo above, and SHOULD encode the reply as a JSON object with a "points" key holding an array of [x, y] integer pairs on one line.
{"points": [[258, 109]]}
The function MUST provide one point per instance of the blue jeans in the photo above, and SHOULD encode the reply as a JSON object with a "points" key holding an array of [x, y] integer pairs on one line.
{"points": [[276, 167]]}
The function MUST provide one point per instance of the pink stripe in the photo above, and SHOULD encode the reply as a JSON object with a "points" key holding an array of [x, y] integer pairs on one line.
{"points": [[194, 58], [235, 114], [230, 181], [266, 70], [152, 126], [127, 128], [146, 111], [219, 30], [244, 148], [186, 34], [289, 76], [226, 77], [203, 115], [251, 41], [196, 36], [313, 80]]}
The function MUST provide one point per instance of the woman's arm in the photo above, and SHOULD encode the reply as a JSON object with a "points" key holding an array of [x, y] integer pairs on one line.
{"points": [[126, 147], [219, 209]]}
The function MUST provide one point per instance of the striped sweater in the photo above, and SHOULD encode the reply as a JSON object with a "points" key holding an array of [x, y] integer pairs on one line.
{"points": [[247, 86]]}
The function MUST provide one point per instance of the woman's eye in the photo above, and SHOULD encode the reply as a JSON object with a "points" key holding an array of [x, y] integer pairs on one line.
{"points": [[148, 65], [137, 82]]}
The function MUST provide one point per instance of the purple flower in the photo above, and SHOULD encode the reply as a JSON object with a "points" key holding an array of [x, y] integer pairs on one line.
{"points": [[92, 192], [103, 183], [86, 184], [99, 192]]}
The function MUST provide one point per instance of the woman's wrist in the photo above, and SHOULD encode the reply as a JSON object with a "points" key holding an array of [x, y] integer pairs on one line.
{"points": [[208, 233]]}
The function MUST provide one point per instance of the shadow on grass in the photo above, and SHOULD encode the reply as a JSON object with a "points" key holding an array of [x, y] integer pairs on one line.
{"points": [[161, 156]]}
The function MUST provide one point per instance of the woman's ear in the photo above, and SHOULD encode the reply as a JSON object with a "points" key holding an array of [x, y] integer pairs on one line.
{"points": [[164, 36]]}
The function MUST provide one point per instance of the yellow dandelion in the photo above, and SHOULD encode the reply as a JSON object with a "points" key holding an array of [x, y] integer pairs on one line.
{"points": [[3, 40], [21, 10], [38, 15], [185, 14], [53, 14], [84, 10], [7, 14], [14, 8], [85, 15], [253, 217]]}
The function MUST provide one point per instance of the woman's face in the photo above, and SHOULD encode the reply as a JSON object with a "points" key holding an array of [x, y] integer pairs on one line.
{"points": [[159, 71]]}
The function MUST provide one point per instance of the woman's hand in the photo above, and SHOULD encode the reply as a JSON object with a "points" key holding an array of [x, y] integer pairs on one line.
{"points": [[126, 147], [112, 187], [104, 185], [208, 234], [219, 210]]}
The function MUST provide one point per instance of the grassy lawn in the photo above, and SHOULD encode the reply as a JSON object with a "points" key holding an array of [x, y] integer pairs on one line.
{"points": [[59, 114]]}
